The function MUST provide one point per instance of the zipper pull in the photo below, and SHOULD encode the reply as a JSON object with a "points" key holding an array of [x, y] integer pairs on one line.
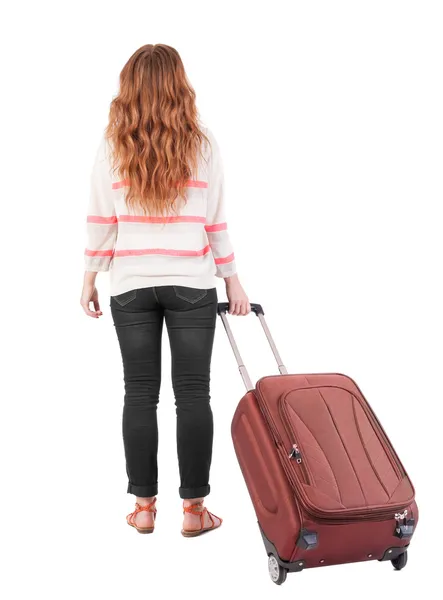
{"points": [[295, 453]]}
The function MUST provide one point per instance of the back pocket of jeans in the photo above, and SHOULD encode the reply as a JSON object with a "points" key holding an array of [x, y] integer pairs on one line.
{"points": [[126, 297], [191, 295]]}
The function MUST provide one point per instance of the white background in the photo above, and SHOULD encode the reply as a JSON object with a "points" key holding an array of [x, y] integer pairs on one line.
{"points": [[329, 117]]}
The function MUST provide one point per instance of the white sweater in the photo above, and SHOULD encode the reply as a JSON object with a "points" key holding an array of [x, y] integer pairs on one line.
{"points": [[188, 249]]}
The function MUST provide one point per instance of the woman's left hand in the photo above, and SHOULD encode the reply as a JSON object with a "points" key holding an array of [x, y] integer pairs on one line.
{"points": [[238, 300], [90, 295]]}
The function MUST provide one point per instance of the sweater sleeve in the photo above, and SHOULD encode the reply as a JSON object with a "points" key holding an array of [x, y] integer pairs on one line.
{"points": [[101, 219], [216, 226]]}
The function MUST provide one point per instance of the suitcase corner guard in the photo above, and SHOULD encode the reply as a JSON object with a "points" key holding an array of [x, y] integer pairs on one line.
{"points": [[292, 567], [307, 540]]}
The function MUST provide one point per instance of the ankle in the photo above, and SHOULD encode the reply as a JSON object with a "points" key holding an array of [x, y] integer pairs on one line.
{"points": [[144, 501], [190, 501]]}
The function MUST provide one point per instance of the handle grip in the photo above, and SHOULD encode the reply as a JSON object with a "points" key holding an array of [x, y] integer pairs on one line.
{"points": [[223, 307]]}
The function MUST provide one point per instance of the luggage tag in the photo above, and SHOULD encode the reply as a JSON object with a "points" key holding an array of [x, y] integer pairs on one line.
{"points": [[404, 527]]}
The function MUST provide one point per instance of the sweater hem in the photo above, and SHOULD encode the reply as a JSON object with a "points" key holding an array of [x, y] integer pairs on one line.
{"points": [[136, 282]]}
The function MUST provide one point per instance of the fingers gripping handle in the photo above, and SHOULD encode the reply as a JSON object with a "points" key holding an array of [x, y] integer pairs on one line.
{"points": [[222, 309]]}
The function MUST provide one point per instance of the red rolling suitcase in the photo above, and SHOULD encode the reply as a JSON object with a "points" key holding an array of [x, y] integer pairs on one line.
{"points": [[326, 484]]}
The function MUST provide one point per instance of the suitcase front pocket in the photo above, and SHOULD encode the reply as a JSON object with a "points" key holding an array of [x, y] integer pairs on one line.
{"points": [[339, 457]]}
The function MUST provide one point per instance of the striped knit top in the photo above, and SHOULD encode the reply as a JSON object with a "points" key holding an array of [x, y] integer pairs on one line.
{"points": [[189, 248]]}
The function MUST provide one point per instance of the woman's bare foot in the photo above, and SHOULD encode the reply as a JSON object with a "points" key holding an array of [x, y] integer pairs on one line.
{"points": [[192, 522], [144, 518]]}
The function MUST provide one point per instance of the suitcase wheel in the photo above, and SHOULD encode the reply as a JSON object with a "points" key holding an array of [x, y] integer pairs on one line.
{"points": [[400, 562], [276, 572]]}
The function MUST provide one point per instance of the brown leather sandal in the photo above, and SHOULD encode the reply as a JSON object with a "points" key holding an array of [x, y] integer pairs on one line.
{"points": [[199, 509], [138, 508]]}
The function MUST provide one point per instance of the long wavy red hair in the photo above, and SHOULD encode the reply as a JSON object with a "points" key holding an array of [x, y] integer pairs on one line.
{"points": [[154, 129]]}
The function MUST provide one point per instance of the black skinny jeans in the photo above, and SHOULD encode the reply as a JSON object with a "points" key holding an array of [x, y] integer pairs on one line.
{"points": [[190, 315]]}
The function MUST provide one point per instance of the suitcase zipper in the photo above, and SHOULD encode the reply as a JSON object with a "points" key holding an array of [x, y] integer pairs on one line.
{"points": [[296, 455], [295, 452]]}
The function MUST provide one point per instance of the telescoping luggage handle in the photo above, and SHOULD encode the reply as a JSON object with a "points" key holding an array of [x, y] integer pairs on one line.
{"points": [[222, 309]]}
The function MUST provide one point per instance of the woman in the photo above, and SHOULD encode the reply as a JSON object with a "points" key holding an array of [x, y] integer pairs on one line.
{"points": [[156, 221]]}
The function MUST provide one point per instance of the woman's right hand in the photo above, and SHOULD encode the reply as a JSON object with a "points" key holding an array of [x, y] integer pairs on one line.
{"points": [[238, 300], [90, 294]]}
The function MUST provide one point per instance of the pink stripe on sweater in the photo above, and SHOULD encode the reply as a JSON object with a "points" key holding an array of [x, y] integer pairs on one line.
{"points": [[190, 183], [226, 259], [101, 220], [216, 227], [165, 251], [98, 252], [196, 184], [144, 219], [119, 184]]}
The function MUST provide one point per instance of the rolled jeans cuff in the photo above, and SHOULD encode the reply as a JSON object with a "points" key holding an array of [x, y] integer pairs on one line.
{"points": [[195, 492], [143, 491]]}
